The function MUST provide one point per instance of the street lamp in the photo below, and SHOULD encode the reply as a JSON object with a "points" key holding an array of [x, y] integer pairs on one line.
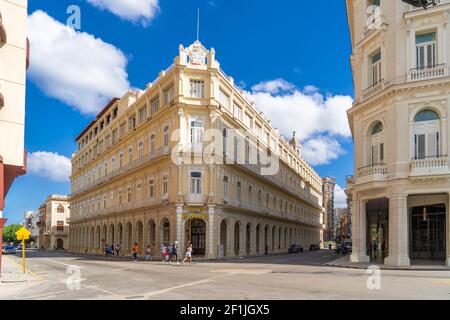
{"points": [[421, 3]]}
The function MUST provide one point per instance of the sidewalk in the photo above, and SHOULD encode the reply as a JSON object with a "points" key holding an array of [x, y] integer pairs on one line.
{"points": [[12, 280], [344, 262]]}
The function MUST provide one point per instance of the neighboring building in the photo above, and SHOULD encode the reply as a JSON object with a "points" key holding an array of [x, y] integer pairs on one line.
{"points": [[13, 64], [341, 223], [126, 188], [30, 221], [43, 240], [399, 120], [54, 216], [328, 185]]}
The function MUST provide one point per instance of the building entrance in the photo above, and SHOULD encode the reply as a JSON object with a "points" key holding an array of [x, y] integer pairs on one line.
{"points": [[427, 232], [196, 234], [377, 229]]}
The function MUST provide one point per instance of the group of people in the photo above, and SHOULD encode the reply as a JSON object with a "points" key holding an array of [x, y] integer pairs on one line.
{"points": [[109, 250], [168, 253]]}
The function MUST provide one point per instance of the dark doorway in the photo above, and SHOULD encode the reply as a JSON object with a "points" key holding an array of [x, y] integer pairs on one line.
{"points": [[59, 244], [197, 236], [427, 233], [377, 229]]}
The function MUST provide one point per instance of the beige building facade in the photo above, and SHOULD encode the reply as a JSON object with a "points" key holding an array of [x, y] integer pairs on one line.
{"points": [[141, 173], [400, 188], [14, 50], [53, 225]]}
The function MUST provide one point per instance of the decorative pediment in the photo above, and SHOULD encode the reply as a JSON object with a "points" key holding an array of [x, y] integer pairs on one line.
{"points": [[197, 53]]}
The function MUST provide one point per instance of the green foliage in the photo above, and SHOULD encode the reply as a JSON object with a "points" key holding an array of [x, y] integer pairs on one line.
{"points": [[9, 233]]}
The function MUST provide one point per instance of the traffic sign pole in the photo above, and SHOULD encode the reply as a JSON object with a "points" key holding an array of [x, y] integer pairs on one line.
{"points": [[23, 255]]}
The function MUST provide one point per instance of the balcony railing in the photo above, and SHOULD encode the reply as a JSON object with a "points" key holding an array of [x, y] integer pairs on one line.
{"points": [[124, 169], [430, 166], [376, 169], [427, 73], [373, 89]]}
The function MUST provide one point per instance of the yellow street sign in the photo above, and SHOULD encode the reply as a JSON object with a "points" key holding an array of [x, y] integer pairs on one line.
{"points": [[23, 234]]}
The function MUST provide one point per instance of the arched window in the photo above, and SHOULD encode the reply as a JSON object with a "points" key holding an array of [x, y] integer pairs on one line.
{"points": [[375, 144], [426, 115], [60, 209], [426, 135]]}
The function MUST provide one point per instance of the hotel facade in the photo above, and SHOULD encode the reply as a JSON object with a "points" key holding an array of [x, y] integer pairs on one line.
{"points": [[140, 173], [401, 185]]}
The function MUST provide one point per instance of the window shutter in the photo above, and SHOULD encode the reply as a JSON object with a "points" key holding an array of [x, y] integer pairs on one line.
{"points": [[374, 155], [420, 146], [432, 145], [381, 152]]}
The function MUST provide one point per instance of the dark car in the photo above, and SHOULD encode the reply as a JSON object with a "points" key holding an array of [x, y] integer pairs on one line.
{"points": [[314, 247], [295, 248], [9, 250]]}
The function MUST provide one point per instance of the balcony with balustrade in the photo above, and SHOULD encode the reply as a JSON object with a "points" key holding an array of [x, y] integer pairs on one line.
{"points": [[430, 167], [371, 173], [428, 73], [373, 89]]}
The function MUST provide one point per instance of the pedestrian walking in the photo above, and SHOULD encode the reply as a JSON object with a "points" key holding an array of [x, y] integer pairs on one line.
{"points": [[117, 249], [135, 251], [148, 254], [175, 252], [106, 250], [188, 255], [266, 250], [111, 249], [170, 253], [164, 253]]}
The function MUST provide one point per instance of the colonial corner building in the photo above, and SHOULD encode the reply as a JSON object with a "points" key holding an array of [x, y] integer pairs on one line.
{"points": [[128, 187], [401, 185]]}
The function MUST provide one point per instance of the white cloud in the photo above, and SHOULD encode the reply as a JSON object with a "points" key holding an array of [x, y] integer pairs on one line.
{"points": [[319, 121], [340, 198], [49, 165], [321, 150], [137, 11], [273, 86], [74, 67]]}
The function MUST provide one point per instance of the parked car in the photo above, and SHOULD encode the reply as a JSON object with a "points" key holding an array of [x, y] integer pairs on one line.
{"points": [[295, 248], [338, 248], [348, 246], [314, 247], [8, 250]]}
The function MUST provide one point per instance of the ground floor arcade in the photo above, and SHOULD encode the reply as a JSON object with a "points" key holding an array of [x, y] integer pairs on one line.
{"points": [[214, 232], [402, 229]]}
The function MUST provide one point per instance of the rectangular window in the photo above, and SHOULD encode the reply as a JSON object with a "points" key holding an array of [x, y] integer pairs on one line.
{"points": [[115, 135], [132, 123], [166, 136], [225, 188], [238, 192], [237, 111], [196, 131], [151, 188], [142, 114], [128, 194], [375, 69], [195, 183], [419, 141], [155, 105], [248, 121], [122, 130], [130, 154], [224, 99], [141, 149], [119, 197], [426, 50], [152, 143], [197, 88], [381, 152], [165, 186], [168, 96]]}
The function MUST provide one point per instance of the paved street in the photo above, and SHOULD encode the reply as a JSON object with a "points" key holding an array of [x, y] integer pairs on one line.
{"points": [[296, 276]]}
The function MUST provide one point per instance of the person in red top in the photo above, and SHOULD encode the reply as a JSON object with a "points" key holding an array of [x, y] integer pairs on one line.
{"points": [[135, 251]]}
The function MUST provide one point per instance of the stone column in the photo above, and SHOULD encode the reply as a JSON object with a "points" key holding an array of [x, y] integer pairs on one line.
{"points": [[179, 234], [398, 231], [447, 234], [359, 231], [211, 211]]}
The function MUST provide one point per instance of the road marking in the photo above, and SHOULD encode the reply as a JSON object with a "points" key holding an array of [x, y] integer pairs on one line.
{"points": [[61, 263], [190, 284]]}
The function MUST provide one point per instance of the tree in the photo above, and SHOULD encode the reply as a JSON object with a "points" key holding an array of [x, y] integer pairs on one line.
{"points": [[9, 233]]}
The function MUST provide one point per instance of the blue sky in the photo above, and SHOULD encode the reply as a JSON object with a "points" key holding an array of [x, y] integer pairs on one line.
{"points": [[297, 47]]}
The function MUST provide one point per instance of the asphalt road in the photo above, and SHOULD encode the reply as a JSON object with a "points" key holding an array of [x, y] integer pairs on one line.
{"points": [[294, 276]]}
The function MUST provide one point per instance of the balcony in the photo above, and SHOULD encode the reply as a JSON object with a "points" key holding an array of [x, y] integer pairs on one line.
{"points": [[372, 173], [429, 167], [428, 73], [125, 169], [373, 89]]}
